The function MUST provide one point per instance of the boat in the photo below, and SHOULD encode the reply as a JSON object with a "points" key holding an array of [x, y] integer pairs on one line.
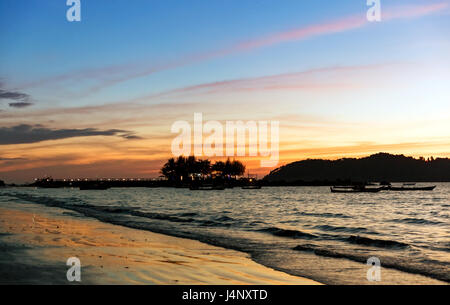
{"points": [[207, 187], [354, 190], [251, 187], [415, 188], [344, 186], [219, 187]]}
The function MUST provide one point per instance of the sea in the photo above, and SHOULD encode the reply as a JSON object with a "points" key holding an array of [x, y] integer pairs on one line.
{"points": [[304, 231]]}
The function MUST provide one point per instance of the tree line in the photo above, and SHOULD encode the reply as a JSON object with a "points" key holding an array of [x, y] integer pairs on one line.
{"points": [[381, 167], [183, 168]]}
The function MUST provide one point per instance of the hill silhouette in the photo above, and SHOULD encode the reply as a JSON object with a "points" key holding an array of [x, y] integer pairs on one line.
{"points": [[376, 168]]}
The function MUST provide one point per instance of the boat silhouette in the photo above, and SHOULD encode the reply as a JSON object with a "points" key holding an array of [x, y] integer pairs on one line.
{"points": [[251, 187], [415, 188], [207, 187], [354, 189]]}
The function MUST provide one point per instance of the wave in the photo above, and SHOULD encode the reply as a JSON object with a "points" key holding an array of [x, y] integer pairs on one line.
{"points": [[161, 216], [188, 214], [102, 212], [327, 215], [344, 229], [287, 233], [224, 219], [107, 209], [380, 243], [419, 221], [433, 270]]}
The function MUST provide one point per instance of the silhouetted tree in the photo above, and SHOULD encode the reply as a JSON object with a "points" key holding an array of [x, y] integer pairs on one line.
{"points": [[237, 168], [183, 167], [228, 170], [204, 167], [169, 170], [219, 166], [232, 168]]}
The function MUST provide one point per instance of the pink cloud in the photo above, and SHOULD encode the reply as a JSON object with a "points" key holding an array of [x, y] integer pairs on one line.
{"points": [[314, 79], [109, 76], [336, 26], [303, 33], [413, 11]]}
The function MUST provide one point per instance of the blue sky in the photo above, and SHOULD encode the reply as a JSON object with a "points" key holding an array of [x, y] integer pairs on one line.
{"points": [[38, 42]]}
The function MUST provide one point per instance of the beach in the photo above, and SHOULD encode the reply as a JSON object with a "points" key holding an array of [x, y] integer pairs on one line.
{"points": [[36, 241]]}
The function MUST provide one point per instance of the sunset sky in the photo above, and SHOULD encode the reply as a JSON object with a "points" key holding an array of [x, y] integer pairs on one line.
{"points": [[97, 98]]}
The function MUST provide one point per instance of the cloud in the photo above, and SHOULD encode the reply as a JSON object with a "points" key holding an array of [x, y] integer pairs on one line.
{"points": [[11, 159], [22, 99], [336, 26], [170, 105], [109, 76], [334, 77], [24, 133], [12, 95], [20, 104], [413, 11], [131, 137]]}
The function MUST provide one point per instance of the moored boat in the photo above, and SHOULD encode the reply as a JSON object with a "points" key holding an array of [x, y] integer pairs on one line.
{"points": [[251, 187], [354, 190], [207, 187], [415, 188]]}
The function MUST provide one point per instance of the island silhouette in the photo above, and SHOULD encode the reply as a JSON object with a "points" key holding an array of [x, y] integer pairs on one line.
{"points": [[380, 167]]}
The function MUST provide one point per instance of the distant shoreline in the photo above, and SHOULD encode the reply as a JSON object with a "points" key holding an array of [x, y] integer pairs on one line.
{"points": [[377, 168], [261, 182]]}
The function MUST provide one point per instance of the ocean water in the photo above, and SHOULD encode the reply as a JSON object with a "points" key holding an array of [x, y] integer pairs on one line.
{"points": [[305, 231]]}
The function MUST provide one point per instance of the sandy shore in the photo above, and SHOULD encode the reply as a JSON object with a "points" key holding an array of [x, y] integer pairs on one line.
{"points": [[36, 241]]}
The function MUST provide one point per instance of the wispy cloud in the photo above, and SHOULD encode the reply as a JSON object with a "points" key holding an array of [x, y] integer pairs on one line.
{"points": [[169, 105], [108, 76], [414, 11], [11, 159], [166, 106], [336, 26], [320, 78], [24, 133]]}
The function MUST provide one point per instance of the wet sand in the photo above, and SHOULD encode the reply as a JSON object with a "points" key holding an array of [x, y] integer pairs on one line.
{"points": [[36, 241]]}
